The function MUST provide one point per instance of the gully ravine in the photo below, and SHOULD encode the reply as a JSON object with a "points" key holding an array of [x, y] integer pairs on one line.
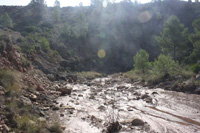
{"points": [[91, 107]]}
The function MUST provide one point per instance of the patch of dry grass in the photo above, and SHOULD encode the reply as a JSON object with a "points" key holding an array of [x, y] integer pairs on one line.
{"points": [[154, 77], [148, 77], [7, 77]]}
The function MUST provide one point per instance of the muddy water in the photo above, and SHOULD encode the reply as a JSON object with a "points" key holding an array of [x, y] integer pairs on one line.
{"points": [[92, 106]]}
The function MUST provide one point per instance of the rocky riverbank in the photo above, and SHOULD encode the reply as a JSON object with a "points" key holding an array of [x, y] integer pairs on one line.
{"points": [[27, 95], [34, 97]]}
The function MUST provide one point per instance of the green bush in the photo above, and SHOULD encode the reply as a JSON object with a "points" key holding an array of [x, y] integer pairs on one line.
{"points": [[55, 128], [23, 116], [32, 29], [13, 90], [6, 21], [28, 124], [66, 33], [28, 45], [165, 65], [24, 62], [8, 81], [186, 73], [44, 44], [141, 61], [47, 25], [155, 71], [150, 77], [2, 45], [33, 41], [195, 68], [6, 78]]}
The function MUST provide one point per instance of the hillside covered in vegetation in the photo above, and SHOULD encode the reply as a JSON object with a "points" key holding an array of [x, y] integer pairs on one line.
{"points": [[102, 38]]}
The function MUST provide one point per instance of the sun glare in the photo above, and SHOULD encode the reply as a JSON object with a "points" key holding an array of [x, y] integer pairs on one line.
{"points": [[63, 3], [101, 53]]}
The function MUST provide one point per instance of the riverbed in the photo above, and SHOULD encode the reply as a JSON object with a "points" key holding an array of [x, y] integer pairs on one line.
{"points": [[94, 105]]}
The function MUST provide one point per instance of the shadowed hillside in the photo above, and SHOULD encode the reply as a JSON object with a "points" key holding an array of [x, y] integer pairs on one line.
{"points": [[120, 30]]}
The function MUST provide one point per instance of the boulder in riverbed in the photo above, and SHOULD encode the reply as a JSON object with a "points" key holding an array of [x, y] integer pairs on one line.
{"points": [[145, 96], [67, 90], [148, 100], [114, 127], [137, 122], [55, 108], [121, 87], [154, 93]]}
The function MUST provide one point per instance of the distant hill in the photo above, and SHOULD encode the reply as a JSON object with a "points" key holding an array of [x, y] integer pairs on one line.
{"points": [[120, 29]]}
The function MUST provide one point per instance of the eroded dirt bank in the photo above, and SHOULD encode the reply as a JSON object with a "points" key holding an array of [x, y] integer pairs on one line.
{"points": [[93, 106]]}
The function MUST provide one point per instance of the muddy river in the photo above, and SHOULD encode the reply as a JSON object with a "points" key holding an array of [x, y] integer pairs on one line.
{"points": [[93, 106]]}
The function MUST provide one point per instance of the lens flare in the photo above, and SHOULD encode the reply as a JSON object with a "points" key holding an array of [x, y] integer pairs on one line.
{"points": [[144, 16], [101, 53]]}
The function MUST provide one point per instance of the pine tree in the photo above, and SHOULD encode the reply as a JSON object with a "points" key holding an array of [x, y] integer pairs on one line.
{"points": [[6, 21], [195, 40], [141, 60], [173, 39], [38, 11], [57, 12]]}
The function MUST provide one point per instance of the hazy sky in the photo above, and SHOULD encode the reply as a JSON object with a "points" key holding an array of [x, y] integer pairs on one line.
{"points": [[51, 2]]}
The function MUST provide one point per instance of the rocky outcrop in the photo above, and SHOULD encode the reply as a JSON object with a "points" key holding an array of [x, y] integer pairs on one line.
{"points": [[11, 58], [113, 127]]}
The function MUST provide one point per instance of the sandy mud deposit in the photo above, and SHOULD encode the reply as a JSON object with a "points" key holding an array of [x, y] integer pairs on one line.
{"points": [[107, 103]]}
